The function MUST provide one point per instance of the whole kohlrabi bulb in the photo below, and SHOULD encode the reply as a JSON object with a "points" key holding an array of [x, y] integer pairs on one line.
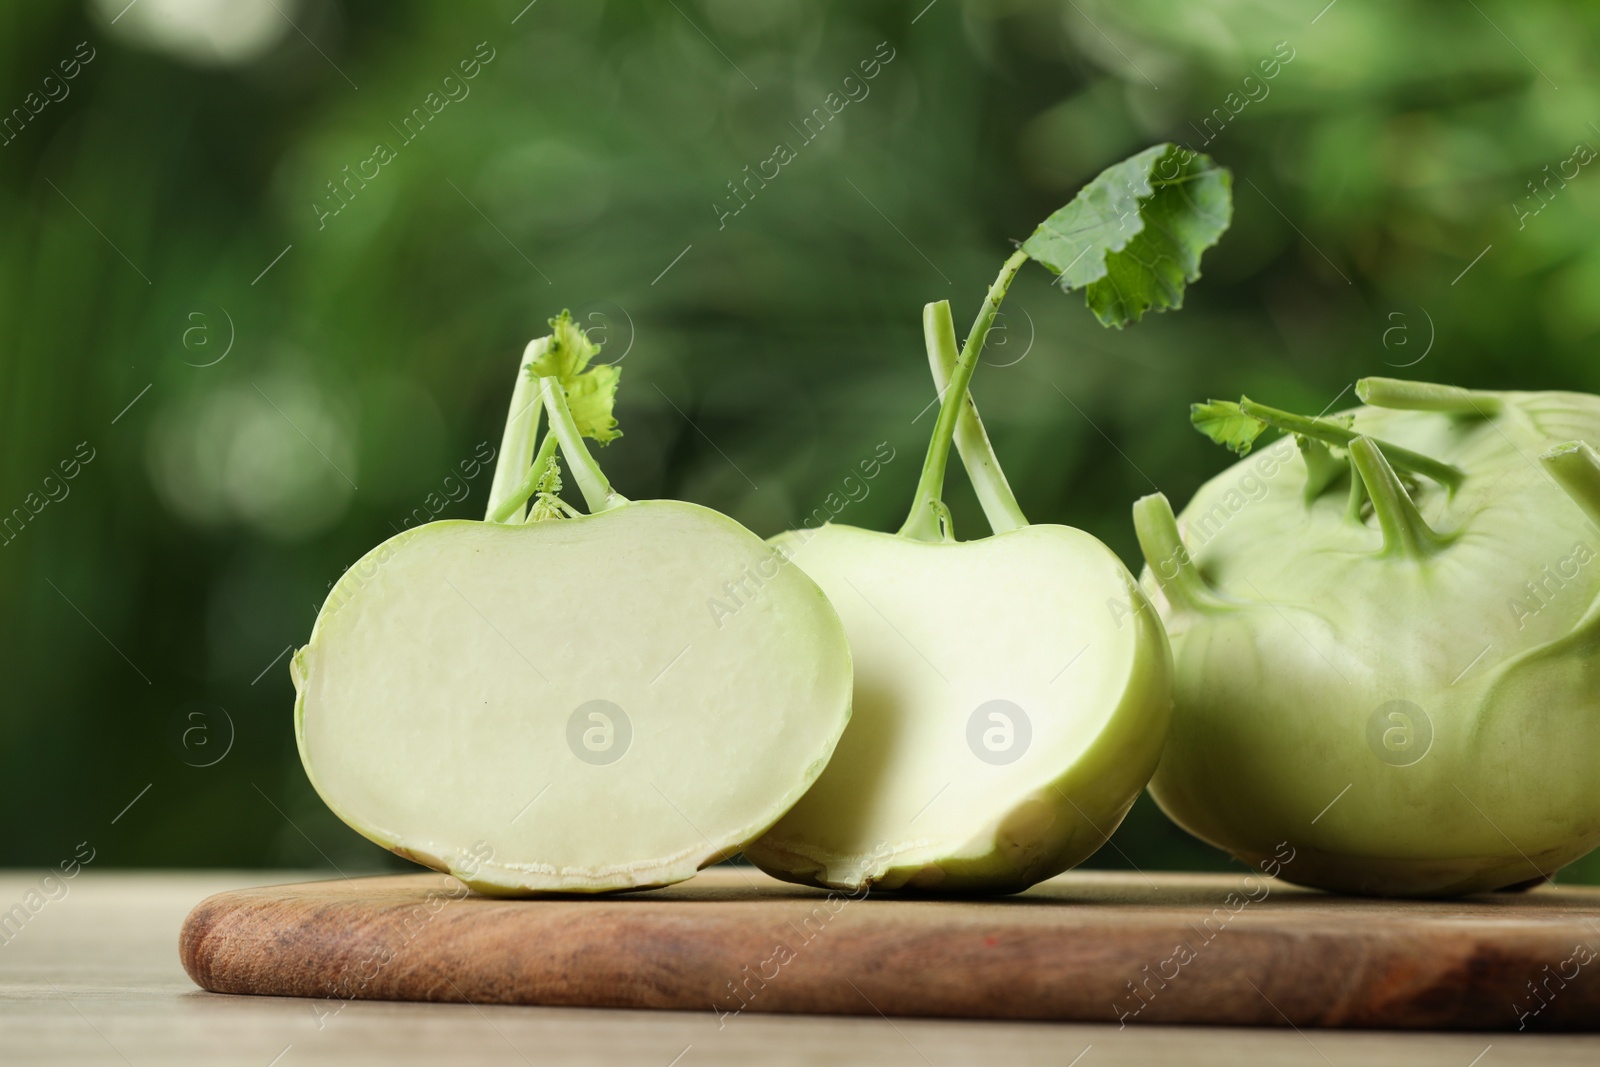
{"points": [[1386, 634]]}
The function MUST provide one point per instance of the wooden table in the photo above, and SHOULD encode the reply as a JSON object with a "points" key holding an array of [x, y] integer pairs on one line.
{"points": [[94, 977]]}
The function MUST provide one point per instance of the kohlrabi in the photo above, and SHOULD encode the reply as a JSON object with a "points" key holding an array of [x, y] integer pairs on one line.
{"points": [[1005, 718], [547, 705], [1387, 639]]}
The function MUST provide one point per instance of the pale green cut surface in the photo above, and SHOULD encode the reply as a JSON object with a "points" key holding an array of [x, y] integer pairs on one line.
{"points": [[436, 694], [1044, 617]]}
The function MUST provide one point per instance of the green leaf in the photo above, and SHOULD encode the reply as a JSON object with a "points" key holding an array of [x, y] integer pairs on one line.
{"points": [[591, 391], [1132, 238], [1226, 423], [568, 352], [591, 396]]}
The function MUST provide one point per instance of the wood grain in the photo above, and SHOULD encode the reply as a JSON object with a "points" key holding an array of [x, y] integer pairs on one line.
{"points": [[1085, 947], [93, 980]]}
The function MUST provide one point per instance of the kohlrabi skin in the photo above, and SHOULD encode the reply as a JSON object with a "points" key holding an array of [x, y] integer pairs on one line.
{"points": [[1386, 630], [1011, 692], [549, 706]]}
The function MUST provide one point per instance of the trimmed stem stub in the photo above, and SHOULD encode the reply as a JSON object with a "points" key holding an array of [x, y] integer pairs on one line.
{"points": [[1405, 531], [597, 493], [1576, 468], [1428, 396], [1357, 497], [1168, 559], [1322, 469], [999, 503], [922, 524]]}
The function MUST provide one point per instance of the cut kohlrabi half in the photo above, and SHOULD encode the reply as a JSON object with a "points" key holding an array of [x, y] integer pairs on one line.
{"points": [[554, 705], [1011, 699], [1011, 693]]}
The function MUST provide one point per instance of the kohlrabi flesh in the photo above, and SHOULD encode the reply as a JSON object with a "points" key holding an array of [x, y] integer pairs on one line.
{"points": [[548, 705], [1386, 629], [1011, 692]]}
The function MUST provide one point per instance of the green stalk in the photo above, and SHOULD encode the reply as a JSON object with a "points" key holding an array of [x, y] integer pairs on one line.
{"points": [[922, 524], [1000, 505], [597, 493], [1333, 433], [1322, 470], [1168, 559], [1357, 495], [1427, 396], [1576, 468], [1405, 531], [516, 443], [519, 496]]}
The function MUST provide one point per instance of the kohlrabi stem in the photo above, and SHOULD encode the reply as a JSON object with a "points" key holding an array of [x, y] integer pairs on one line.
{"points": [[1357, 495], [923, 522], [1000, 505], [1427, 396], [516, 443], [1576, 468], [1333, 433], [1322, 470], [1405, 531], [519, 496], [1168, 559], [597, 493]]}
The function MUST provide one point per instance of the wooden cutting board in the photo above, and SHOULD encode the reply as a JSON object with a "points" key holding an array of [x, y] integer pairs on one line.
{"points": [[1087, 947]]}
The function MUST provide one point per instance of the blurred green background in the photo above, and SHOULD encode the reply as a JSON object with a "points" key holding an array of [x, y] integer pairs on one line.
{"points": [[268, 388]]}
